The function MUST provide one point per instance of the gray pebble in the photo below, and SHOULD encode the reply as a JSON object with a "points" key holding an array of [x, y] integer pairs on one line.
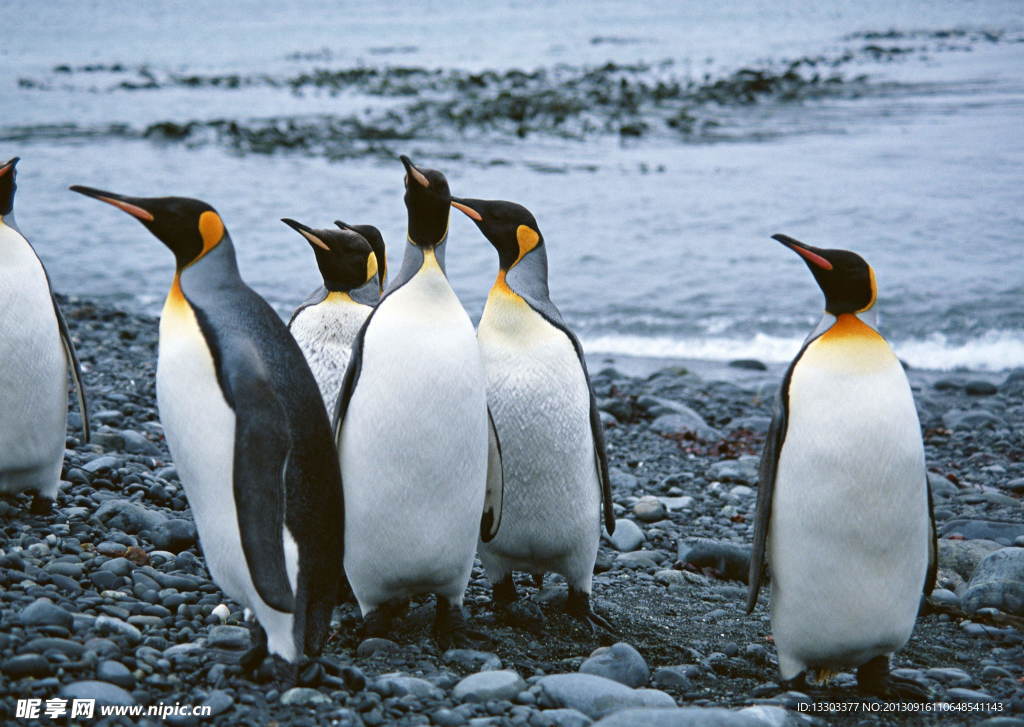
{"points": [[620, 662], [486, 685], [628, 536]]}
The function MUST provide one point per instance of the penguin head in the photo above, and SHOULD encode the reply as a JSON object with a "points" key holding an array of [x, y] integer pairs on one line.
{"points": [[7, 186], [344, 257], [427, 200], [376, 240], [509, 227], [845, 278], [189, 227]]}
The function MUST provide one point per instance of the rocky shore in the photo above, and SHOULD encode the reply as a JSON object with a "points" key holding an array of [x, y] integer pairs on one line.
{"points": [[107, 597]]}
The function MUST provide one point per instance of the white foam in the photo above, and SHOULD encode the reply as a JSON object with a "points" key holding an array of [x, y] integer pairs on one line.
{"points": [[991, 351]]}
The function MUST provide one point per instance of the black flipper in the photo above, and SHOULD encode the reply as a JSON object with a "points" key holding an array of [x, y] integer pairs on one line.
{"points": [[75, 369], [765, 492], [262, 448], [766, 478], [933, 544], [495, 496]]}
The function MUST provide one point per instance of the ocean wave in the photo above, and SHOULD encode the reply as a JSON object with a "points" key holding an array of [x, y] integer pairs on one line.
{"points": [[994, 350]]}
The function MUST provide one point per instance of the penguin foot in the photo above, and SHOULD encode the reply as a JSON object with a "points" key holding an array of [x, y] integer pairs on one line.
{"points": [[253, 658], [874, 678], [525, 615], [796, 684], [286, 674], [451, 631], [577, 605], [377, 624], [41, 505]]}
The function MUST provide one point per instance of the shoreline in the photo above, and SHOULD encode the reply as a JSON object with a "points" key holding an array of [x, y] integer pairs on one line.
{"points": [[134, 617]]}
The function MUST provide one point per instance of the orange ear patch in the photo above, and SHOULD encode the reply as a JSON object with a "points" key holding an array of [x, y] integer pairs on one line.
{"points": [[528, 238], [211, 229]]}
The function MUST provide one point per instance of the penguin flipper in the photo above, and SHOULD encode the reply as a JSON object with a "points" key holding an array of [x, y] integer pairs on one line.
{"points": [[495, 495], [316, 297], [75, 368], [262, 450], [932, 573], [765, 493]]}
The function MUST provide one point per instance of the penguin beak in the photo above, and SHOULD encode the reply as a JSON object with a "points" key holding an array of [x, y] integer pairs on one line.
{"points": [[462, 206], [9, 166], [413, 172], [306, 232], [808, 253], [123, 203]]}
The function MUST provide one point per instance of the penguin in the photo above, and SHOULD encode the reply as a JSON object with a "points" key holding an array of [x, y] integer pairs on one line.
{"points": [[546, 417], [248, 433], [844, 512], [420, 462], [36, 354], [326, 324]]}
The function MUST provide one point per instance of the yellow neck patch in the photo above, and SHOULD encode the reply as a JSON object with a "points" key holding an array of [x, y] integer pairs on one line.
{"points": [[337, 296], [874, 290], [429, 260], [211, 229], [850, 346], [371, 267]]}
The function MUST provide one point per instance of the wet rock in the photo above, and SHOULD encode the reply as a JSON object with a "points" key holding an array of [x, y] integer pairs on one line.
{"points": [[619, 662], [234, 638], [722, 560], [596, 696], [649, 509], [400, 685], [103, 692], [102, 465], [941, 487], [628, 536], [473, 660], [971, 529], [742, 470], [487, 685], [963, 556], [973, 419], [305, 696], [128, 516], [109, 625], [116, 673], [750, 364], [755, 423], [567, 718], [25, 665], [219, 701], [980, 387], [680, 717], [369, 647], [685, 423], [174, 535], [640, 559], [675, 677], [998, 582], [43, 612], [958, 695]]}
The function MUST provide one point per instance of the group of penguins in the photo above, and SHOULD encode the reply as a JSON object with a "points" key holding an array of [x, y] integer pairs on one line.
{"points": [[378, 440]]}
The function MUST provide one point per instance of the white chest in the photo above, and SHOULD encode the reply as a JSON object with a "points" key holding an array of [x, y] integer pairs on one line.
{"points": [[325, 333]]}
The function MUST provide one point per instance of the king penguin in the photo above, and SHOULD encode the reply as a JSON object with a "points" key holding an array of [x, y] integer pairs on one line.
{"points": [[36, 353], [546, 417], [326, 324], [247, 431], [419, 458], [843, 506]]}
